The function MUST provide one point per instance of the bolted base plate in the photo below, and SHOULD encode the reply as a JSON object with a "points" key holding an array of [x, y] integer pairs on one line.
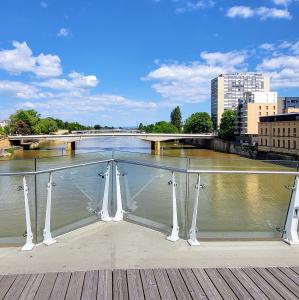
{"points": [[193, 242], [291, 242], [172, 238], [106, 219], [28, 247]]}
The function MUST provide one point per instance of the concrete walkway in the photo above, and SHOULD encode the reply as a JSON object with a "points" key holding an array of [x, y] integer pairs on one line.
{"points": [[124, 245]]}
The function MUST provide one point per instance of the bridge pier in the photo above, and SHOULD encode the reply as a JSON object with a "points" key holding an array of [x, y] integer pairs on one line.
{"points": [[156, 147], [71, 146]]}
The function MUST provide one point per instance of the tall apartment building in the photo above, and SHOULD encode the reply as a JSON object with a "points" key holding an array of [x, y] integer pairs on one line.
{"points": [[288, 105], [227, 89]]}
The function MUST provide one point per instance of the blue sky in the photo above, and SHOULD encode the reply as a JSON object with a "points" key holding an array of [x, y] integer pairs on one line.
{"points": [[121, 62]]}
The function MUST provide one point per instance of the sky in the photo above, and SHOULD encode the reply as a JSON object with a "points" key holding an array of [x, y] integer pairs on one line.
{"points": [[122, 62]]}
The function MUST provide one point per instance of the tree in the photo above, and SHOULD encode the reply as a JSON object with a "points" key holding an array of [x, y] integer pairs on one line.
{"points": [[45, 126], [176, 118], [140, 127], [20, 127], [29, 117], [160, 127], [227, 125], [2, 131], [97, 127], [199, 123]]}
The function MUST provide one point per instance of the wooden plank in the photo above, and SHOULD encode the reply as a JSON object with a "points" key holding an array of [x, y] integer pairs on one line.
{"points": [[276, 284], [17, 287], [31, 287], [120, 285], [192, 284], [46, 286], [262, 284], [249, 285], [206, 284], [74, 290], [234, 284], [5, 284], [90, 286], [105, 285], [164, 285], [220, 284], [295, 269], [150, 287], [291, 274], [135, 284], [60, 286], [178, 284], [285, 280]]}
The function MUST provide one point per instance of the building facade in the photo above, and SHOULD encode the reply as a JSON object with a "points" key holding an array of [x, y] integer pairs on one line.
{"points": [[279, 133], [227, 89], [288, 105], [251, 108]]}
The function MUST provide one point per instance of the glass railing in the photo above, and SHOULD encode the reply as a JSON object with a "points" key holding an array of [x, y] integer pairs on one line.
{"points": [[237, 198]]}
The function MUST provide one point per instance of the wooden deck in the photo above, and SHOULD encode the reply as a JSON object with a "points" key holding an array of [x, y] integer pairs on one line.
{"points": [[248, 283]]}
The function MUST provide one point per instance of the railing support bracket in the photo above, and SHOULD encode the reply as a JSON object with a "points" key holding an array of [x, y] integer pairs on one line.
{"points": [[174, 236], [29, 235], [290, 235], [104, 213], [119, 208]]}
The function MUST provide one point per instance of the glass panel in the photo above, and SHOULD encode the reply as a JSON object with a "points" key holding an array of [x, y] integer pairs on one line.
{"points": [[176, 162], [12, 209], [147, 196], [240, 205], [77, 195], [72, 159]]}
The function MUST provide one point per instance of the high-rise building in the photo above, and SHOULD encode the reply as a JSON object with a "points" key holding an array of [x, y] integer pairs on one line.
{"points": [[227, 89]]}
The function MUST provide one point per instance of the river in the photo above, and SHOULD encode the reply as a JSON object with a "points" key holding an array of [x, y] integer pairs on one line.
{"points": [[230, 206]]}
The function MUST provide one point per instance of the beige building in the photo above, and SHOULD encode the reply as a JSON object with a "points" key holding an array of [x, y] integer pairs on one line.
{"points": [[279, 133], [228, 89], [251, 108]]}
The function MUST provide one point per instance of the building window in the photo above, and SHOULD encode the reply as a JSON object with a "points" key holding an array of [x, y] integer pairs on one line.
{"points": [[278, 131], [274, 107], [273, 142], [266, 142], [260, 113], [294, 144], [294, 131], [267, 107], [289, 144], [260, 107], [289, 131], [262, 130], [273, 131], [267, 113], [283, 131], [278, 143], [283, 144], [261, 142]]}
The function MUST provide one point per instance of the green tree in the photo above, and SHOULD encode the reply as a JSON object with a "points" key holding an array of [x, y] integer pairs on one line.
{"points": [[29, 117], [199, 122], [2, 131], [97, 127], [176, 118], [20, 127], [140, 127], [227, 125], [45, 126], [160, 127]]}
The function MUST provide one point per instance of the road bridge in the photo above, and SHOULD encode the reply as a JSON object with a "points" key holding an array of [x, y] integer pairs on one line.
{"points": [[70, 139]]}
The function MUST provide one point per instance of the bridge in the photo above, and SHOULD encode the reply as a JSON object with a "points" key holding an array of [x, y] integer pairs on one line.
{"points": [[70, 139]]}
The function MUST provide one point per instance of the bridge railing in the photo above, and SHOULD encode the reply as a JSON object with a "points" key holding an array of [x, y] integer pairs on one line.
{"points": [[45, 198]]}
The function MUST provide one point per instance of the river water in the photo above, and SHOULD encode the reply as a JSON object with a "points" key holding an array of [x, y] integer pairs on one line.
{"points": [[230, 206]]}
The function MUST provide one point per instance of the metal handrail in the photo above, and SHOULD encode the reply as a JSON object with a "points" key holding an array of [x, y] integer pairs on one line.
{"points": [[151, 165]]}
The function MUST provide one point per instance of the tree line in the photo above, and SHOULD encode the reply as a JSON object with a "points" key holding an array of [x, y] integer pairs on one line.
{"points": [[25, 122], [199, 122]]}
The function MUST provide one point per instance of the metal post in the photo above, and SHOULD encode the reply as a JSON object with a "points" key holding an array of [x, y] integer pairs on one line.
{"points": [[174, 236], [119, 208], [290, 235], [104, 212], [29, 237], [48, 240], [193, 240]]}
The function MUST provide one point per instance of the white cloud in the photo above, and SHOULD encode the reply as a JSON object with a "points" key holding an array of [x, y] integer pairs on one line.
{"points": [[20, 60], [187, 6], [63, 32], [187, 83], [282, 2], [267, 46], [262, 12], [18, 89], [76, 81]]}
